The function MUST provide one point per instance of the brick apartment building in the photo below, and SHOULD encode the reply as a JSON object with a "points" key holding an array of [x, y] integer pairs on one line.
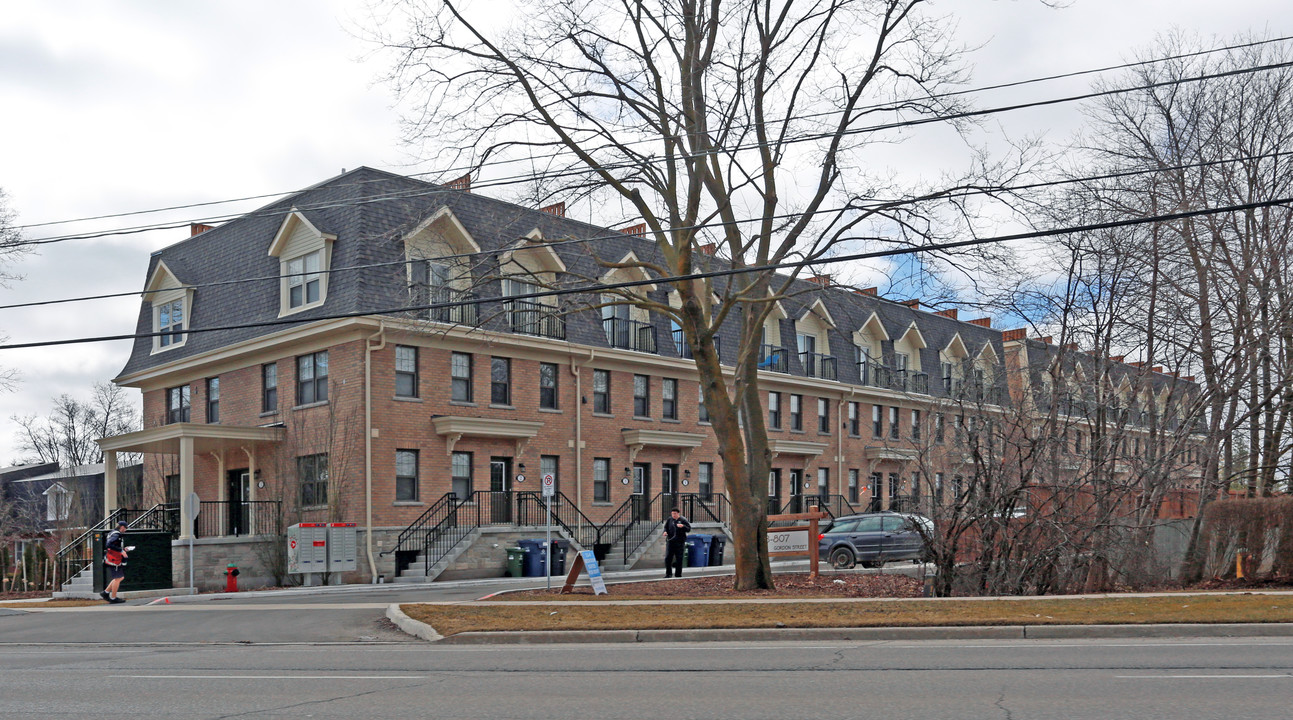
{"points": [[288, 373]]}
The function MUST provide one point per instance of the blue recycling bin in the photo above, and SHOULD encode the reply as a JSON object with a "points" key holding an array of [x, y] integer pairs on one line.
{"points": [[716, 545], [535, 564], [698, 550]]}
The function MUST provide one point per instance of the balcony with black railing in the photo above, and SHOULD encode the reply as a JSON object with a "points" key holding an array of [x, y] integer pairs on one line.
{"points": [[532, 318], [463, 308], [683, 348], [818, 365], [772, 357], [236, 518], [629, 334]]}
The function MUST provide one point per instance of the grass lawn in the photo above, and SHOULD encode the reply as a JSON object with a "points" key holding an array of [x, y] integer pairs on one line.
{"points": [[452, 619]]}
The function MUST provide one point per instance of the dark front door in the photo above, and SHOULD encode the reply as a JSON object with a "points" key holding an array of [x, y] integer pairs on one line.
{"points": [[774, 491], [500, 491], [668, 489], [642, 491], [796, 492], [238, 492]]}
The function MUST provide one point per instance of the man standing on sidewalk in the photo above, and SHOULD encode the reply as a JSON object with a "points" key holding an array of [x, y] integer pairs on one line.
{"points": [[675, 533], [114, 556]]}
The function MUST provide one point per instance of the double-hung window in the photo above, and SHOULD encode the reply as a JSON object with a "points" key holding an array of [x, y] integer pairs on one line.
{"points": [[312, 472], [170, 323], [796, 412], [895, 423], [705, 480], [915, 424], [304, 281], [500, 381], [853, 486], [460, 377], [601, 480], [269, 388], [642, 396], [406, 475], [855, 422], [406, 371], [602, 391], [774, 410], [213, 400], [460, 475], [548, 386], [877, 421], [312, 378], [177, 404], [823, 415], [702, 412], [669, 399]]}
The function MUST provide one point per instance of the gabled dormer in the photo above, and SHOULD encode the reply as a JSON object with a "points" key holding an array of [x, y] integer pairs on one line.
{"points": [[812, 340], [529, 265], [952, 360], [626, 324], [304, 258], [171, 304]]}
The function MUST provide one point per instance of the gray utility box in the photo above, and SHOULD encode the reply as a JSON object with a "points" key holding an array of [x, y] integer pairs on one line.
{"points": [[343, 547], [307, 548]]}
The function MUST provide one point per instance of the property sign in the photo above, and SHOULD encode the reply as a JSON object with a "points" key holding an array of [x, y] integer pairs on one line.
{"points": [[586, 560], [788, 541]]}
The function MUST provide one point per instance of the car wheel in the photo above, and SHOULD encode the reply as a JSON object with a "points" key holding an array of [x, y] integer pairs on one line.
{"points": [[842, 558]]}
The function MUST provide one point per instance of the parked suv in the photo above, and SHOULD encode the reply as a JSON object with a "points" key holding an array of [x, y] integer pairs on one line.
{"points": [[874, 539]]}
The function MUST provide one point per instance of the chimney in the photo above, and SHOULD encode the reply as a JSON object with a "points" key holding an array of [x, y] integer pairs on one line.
{"points": [[872, 291], [913, 304], [463, 183], [1136, 364], [823, 280], [707, 248], [558, 209], [981, 322], [638, 230], [1048, 339], [1188, 378], [1071, 347], [1016, 334], [199, 228], [1158, 369], [1117, 358], [949, 313]]}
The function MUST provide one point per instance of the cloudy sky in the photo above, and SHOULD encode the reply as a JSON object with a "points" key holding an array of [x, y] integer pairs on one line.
{"points": [[115, 107]]}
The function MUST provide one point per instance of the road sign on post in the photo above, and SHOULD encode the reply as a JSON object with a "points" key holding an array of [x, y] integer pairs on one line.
{"points": [[549, 485]]}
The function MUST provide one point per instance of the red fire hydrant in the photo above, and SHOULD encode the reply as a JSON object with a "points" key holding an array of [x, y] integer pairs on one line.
{"points": [[231, 578]]}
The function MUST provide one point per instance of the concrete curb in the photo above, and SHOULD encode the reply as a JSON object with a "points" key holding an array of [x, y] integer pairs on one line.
{"points": [[416, 628], [876, 634]]}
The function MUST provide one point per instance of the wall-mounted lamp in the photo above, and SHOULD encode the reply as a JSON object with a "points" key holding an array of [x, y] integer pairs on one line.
{"points": [[520, 467], [686, 473]]}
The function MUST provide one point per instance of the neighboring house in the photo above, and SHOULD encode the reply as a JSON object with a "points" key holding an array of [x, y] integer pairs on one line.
{"points": [[365, 411]]}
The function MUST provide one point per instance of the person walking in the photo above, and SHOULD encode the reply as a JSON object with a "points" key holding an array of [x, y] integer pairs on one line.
{"points": [[114, 556], [675, 533]]}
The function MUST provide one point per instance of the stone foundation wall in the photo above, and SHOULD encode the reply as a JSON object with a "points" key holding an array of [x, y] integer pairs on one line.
{"points": [[487, 557]]}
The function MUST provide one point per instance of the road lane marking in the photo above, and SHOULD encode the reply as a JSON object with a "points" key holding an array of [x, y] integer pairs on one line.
{"points": [[270, 677], [1283, 676]]}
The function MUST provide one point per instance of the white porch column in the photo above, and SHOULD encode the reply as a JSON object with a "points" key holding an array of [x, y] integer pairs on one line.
{"points": [[109, 482], [186, 485]]}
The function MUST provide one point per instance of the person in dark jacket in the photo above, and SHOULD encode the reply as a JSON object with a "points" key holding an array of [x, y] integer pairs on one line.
{"points": [[675, 533], [115, 559]]}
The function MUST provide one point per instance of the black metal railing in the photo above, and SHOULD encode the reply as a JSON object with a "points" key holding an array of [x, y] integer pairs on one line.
{"points": [[77, 554], [699, 508], [818, 365], [683, 348], [772, 357], [532, 510], [531, 318], [235, 518], [629, 334], [465, 314], [904, 503], [632, 523], [432, 535]]}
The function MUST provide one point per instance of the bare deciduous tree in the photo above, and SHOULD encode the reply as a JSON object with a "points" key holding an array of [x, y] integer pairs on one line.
{"points": [[68, 434]]}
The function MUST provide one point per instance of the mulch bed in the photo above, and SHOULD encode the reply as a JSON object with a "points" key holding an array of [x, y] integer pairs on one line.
{"points": [[788, 585]]}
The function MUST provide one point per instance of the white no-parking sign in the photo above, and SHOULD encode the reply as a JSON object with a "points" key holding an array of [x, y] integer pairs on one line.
{"points": [[549, 485]]}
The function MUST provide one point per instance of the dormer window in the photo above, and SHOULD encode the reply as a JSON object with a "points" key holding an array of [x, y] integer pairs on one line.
{"points": [[58, 503], [304, 282], [172, 304], [438, 253], [304, 254]]}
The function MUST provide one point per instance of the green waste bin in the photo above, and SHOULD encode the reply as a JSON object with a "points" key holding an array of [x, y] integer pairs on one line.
{"points": [[515, 561]]}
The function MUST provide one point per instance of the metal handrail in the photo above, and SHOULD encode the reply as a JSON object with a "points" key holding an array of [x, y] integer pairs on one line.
{"points": [[531, 318], [255, 517], [818, 365], [629, 334], [717, 508], [467, 314], [533, 510], [772, 357], [684, 348], [424, 520]]}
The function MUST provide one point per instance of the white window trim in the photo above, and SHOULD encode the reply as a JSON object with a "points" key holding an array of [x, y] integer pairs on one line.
{"points": [[315, 241], [163, 289]]}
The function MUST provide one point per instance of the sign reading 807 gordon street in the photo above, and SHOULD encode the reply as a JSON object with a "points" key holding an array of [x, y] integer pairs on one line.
{"points": [[788, 541]]}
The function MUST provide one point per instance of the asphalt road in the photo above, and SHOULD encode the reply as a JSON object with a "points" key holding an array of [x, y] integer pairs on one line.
{"points": [[1017, 680]]}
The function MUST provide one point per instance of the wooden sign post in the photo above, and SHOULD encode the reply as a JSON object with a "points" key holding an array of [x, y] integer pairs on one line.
{"points": [[797, 540]]}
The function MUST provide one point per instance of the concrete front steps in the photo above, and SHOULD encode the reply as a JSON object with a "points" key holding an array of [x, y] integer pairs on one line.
{"points": [[482, 554], [651, 553]]}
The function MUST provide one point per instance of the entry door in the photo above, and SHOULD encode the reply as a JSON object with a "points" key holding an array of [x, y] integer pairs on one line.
{"points": [[238, 492], [796, 491], [500, 487], [642, 491]]}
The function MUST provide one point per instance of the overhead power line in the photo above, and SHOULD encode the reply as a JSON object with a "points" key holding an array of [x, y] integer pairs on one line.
{"points": [[879, 204], [968, 114], [596, 288]]}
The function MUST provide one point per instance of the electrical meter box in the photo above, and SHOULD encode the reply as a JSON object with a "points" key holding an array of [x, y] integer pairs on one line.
{"points": [[307, 548], [343, 547]]}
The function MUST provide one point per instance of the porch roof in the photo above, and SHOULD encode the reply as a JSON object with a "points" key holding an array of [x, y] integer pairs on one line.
{"points": [[165, 439]]}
